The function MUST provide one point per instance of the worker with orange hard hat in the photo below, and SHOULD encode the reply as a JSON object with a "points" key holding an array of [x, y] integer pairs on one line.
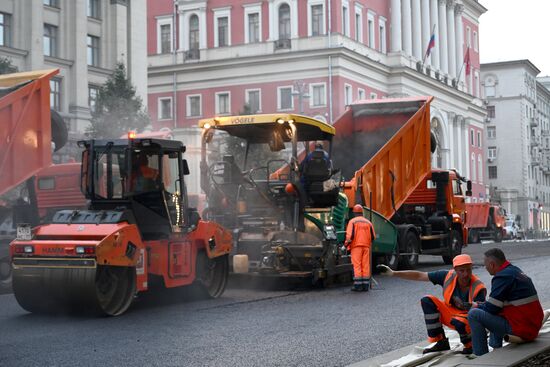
{"points": [[461, 290], [359, 237]]}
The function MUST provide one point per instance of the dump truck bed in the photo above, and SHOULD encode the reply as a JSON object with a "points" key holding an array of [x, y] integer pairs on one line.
{"points": [[25, 126], [383, 149]]}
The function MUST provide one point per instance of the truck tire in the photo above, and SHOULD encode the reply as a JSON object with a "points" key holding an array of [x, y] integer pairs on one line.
{"points": [[456, 247], [498, 235], [392, 259], [474, 236], [409, 244], [212, 274]]}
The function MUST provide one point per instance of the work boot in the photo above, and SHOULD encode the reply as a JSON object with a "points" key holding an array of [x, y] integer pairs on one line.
{"points": [[466, 351], [440, 346], [357, 288], [365, 286]]}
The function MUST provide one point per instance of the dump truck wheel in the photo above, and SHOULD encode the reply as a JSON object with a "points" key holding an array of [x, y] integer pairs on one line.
{"points": [[498, 235], [409, 246], [456, 247], [474, 236], [392, 259], [212, 274]]}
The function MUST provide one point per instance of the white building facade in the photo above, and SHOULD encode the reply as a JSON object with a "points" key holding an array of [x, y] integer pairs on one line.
{"points": [[518, 141], [84, 39]]}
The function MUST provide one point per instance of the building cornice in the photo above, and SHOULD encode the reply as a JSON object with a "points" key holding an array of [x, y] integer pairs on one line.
{"points": [[488, 66], [10, 51]]}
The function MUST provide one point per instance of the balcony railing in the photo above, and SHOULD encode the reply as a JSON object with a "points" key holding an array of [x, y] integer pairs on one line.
{"points": [[283, 44]]}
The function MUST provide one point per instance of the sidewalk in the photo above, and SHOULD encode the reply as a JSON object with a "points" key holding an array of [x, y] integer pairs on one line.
{"points": [[509, 355]]}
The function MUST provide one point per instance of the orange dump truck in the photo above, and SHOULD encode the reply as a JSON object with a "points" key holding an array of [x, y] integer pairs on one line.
{"points": [[485, 221], [385, 147]]}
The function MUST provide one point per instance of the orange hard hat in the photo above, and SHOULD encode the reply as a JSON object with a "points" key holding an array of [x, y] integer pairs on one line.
{"points": [[462, 259], [357, 208]]}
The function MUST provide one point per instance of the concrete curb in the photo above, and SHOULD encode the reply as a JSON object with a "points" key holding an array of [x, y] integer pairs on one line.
{"points": [[508, 356]]}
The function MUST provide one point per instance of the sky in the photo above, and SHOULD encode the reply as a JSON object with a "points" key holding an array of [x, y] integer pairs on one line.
{"points": [[516, 30]]}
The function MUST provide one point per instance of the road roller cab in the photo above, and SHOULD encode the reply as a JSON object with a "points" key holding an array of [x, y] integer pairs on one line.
{"points": [[137, 225]]}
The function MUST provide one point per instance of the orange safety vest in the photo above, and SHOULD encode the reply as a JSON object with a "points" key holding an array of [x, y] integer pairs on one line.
{"points": [[451, 280], [360, 232]]}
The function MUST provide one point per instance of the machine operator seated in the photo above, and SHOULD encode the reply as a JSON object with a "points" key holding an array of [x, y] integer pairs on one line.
{"points": [[144, 177], [315, 177]]}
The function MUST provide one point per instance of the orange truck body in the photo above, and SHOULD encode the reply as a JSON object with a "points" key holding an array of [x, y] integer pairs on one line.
{"points": [[25, 127], [485, 221]]}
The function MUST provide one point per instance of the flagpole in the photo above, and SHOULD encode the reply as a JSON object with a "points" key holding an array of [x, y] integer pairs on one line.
{"points": [[462, 66], [426, 53]]}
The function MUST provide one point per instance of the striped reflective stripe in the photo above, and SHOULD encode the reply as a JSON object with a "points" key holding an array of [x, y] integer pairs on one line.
{"points": [[522, 301], [476, 283], [449, 281], [495, 302], [431, 316], [433, 326]]}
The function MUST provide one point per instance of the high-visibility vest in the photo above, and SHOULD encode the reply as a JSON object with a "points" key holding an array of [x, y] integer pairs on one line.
{"points": [[451, 280], [360, 232]]}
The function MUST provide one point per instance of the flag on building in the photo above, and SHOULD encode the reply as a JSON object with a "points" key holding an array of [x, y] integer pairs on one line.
{"points": [[431, 45], [467, 61]]}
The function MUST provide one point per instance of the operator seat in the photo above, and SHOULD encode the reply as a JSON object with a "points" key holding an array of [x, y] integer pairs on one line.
{"points": [[316, 171]]}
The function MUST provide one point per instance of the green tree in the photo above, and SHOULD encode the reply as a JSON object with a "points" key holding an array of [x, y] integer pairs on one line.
{"points": [[6, 67], [118, 109]]}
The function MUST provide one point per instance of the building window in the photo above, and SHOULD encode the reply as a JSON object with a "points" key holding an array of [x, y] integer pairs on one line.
{"points": [[479, 169], [93, 10], [474, 170], [223, 103], [50, 40], [318, 95], [165, 38], [93, 50], [194, 106], [284, 98], [472, 142], [347, 94], [284, 22], [254, 27], [491, 132], [475, 42], [492, 172], [223, 31], [52, 3], [492, 153], [194, 32], [5, 29], [317, 20], [360, 94], [55, 94], [479, 139], [382, 35], [468, 37], [491, 112], [345, 20], [253, 100], [358, 23], [370, 29], [165, 108], [93, 93]]}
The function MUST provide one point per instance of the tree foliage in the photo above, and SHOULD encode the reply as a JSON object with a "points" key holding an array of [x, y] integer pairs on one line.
{"points": [[118, 109], [6, 67]]}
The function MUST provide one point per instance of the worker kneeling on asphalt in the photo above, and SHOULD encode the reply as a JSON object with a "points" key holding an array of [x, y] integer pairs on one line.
{"points": [[359, 237], [461, 290]]}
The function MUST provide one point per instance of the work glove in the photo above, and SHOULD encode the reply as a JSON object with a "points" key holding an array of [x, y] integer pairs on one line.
{"points": [[384, 270], [460, 304]]}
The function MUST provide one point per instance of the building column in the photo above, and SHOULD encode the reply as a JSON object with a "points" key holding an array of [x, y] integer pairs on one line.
{"points": [[459, 40], [443, 50], [466, 132], [396, 44], [451, 37], [434, 55], [426, 30], [459, 145], [416, 30], [452, 147], [407, 26]]}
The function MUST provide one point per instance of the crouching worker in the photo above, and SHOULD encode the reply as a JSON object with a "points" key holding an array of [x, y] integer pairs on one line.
{"points": [[461, 289], [512, 308], [359, 237]]}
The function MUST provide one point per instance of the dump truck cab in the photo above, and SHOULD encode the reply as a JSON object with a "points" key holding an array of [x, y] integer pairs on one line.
{"points": [[275, 189]]}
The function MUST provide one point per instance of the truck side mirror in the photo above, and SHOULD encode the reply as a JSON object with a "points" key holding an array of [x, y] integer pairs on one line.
{"points": [[185, 167], [468, 188]]}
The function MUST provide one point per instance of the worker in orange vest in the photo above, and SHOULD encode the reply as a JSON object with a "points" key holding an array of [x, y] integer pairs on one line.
{"points": [[461, 290], [359, 237], [143, 176]]}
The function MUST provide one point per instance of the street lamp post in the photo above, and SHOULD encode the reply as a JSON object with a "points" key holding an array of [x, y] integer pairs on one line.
{"points": [[300, 91]]}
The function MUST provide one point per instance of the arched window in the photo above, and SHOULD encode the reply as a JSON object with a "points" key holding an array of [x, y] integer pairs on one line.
{"points": [[284, 22], [194, 32], [473, 168], [479, 169]]}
